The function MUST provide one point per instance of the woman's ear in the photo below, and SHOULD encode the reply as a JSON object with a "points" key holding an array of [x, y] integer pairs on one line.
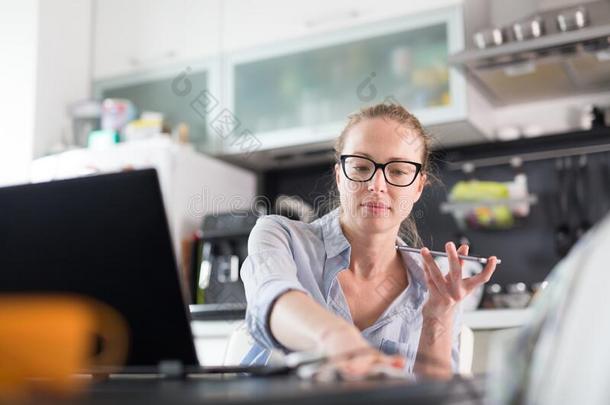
{"points": [[337, 173], [421, 182]]}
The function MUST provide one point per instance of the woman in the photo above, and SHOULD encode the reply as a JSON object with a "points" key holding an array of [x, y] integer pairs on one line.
{"points": [[338, 285]]}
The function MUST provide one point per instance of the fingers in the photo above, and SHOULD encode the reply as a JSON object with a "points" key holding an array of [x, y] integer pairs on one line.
{"points": [[433, 273], [463, 250], [455, 263], [483, 277], [365, 364]]}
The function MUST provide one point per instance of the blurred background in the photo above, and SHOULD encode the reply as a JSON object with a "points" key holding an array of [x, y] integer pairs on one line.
{"points": [[237, 104]]}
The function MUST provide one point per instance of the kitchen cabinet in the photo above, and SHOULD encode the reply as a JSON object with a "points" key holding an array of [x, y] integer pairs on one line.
{"points": [[142, 35], [288, 76], [251, 23], [300, 91], [146, 34], [183, 95]]}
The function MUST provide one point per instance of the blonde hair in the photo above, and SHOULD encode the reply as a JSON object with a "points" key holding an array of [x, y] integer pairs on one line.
{"points": [[413, 131]]}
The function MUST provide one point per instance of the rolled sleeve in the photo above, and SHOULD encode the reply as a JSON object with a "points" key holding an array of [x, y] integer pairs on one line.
{"points": [[268, 272]]}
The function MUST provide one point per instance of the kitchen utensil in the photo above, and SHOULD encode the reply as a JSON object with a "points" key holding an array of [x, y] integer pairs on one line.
{"points": [[481, 260], [85, 116], [563, 234], [572, 19], [539, 286], [605, 176], [489, 37], [493, 296], [529, 29], [582, 194], [116, 113], [517, 296], [600, 116]]}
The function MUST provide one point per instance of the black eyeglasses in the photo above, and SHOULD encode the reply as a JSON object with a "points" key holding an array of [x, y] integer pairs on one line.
{"points": [[399, 173]]}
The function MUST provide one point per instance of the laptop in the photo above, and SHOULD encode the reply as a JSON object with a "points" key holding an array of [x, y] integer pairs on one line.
{"points": [[105, 237]]}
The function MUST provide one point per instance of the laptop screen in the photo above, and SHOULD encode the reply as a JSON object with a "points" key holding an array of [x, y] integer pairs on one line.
{"points": [[105, 237]]}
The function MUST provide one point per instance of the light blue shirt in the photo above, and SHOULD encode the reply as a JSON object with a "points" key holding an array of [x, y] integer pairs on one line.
{"points": [[285, 254]]}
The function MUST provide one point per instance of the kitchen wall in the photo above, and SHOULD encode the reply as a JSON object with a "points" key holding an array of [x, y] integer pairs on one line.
{"points": [[45, 66], [63, 73], [18, 42]]}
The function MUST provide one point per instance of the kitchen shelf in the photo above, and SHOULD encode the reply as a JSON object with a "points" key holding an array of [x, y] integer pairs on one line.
{"points": [[451, 206], [524, 50], [552, 146]]}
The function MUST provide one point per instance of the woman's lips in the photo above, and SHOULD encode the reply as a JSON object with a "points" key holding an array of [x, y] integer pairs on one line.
{"points": [[376, 207]]}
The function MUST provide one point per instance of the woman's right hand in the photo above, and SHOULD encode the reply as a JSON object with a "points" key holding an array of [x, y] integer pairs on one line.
{"points": [[351, 354]]}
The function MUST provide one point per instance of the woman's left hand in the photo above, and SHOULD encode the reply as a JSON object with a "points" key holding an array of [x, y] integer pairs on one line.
{"points": [[445, 291]]}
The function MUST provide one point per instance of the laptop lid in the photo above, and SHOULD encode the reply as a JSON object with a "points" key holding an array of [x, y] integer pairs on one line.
{"points": [[106, 237]]}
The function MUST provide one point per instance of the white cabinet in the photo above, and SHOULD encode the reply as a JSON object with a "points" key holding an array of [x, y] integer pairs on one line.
{"points": [[287, 74], [300, 91], [136, 35], [114, 37], [249, 23]]}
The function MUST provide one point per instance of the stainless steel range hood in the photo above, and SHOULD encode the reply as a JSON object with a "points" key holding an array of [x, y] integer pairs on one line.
{"points": [[554, 65]]}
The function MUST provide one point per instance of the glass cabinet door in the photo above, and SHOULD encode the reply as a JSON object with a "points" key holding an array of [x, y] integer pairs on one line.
{"points": [[404, 60], [183, 95]]}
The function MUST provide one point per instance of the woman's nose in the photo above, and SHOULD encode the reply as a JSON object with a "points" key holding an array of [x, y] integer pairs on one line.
{"points": [[378, 183]]}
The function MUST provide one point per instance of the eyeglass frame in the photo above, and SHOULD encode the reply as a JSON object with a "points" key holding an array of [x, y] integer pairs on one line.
{"points": [[382, 166]]}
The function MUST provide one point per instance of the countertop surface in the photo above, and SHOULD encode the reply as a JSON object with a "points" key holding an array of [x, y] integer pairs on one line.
{"points": [[485, 319]]}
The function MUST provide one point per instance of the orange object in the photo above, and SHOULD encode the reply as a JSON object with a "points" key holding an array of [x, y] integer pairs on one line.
{"points": [[45, 340]]}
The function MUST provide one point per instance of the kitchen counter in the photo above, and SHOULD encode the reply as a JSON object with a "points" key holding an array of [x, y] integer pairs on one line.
{"points": [[476, 320], [496, 318], [212, 335]]}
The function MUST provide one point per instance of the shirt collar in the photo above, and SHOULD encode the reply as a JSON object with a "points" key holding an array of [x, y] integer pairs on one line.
{"points": [[335, 242]]}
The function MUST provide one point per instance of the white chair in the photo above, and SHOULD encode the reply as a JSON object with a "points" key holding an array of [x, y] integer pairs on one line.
{"points": [[238, 345], [240, 342], [466, 345]]}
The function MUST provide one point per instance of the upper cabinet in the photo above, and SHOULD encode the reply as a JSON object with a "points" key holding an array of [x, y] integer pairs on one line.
{"points": [[285, 74], [136, 35], [301, 91]]}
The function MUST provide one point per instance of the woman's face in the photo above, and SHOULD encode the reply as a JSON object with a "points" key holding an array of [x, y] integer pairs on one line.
{"points": [[376, 206]]}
